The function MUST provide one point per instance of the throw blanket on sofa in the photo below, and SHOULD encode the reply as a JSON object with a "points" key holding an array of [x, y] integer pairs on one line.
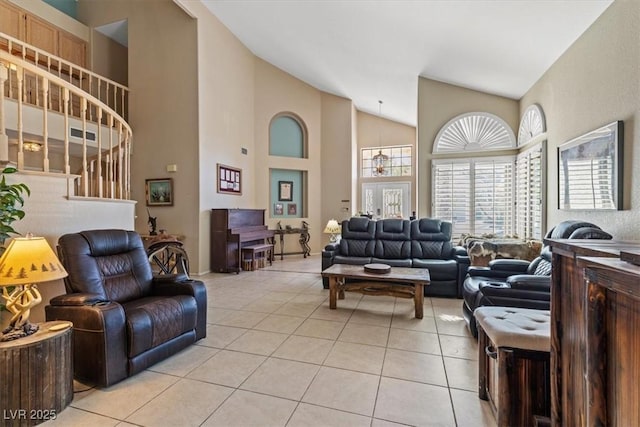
{"points": [[481, 250]]}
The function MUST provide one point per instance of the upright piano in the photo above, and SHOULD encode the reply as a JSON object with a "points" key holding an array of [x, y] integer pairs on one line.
{"points": [[231, 229]]}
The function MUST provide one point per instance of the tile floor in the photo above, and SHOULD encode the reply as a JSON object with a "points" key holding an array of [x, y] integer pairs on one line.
{"points": [[275, 355]]}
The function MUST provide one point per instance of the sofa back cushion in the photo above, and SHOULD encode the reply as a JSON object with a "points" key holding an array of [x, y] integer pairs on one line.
{"points": [[358, 237], [431, 238], [393, 239]]}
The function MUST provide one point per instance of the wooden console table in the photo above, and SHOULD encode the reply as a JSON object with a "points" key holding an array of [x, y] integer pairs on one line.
{"points": [[37, 376], [572, 323], [303, 240]]}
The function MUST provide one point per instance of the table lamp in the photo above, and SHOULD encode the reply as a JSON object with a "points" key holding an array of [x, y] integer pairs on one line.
{"points": [[26, 262], [334, 229]]}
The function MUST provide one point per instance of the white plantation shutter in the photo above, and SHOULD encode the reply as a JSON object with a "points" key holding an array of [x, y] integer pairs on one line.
{"points": [[452, 194], [476, 195], [494, 197], [529, 192]]}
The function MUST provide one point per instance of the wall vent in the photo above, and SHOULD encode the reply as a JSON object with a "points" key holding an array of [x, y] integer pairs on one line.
{"points": [[77, 133]]}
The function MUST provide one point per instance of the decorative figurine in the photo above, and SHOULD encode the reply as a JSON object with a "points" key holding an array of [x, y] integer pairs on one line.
{"points": [[152, 221]]}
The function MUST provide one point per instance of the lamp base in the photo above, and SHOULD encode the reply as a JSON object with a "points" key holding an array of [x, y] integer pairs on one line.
{"points": [[333, 238], [13, 332]]}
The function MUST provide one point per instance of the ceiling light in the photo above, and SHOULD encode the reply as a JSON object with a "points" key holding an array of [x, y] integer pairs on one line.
{"points": [[32, 146]]}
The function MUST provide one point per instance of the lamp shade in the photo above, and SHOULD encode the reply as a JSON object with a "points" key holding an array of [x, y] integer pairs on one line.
{"points": [[332, 227], [29, 260]]}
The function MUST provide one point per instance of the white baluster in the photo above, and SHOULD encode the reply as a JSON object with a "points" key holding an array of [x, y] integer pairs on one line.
{"points": [[66, 100], [85, 178], [45, 123], [99, 166], [4, 139], [20, 78]]}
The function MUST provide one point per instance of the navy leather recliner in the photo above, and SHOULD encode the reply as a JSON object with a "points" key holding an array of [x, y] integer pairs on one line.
{"points": [[519, 283]]}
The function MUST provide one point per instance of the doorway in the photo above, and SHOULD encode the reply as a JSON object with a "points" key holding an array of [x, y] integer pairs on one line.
{"points": [[387, 199]]}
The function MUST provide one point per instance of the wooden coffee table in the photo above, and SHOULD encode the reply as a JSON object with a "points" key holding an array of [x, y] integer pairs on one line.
{"points": [[402, 282]]}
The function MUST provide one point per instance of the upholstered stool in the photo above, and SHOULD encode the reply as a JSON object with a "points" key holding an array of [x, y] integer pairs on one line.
{"points": [[513, 362]]}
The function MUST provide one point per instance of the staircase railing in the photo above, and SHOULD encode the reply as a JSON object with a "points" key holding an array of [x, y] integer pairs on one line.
{"points": [[113, 94], [104, 160]]}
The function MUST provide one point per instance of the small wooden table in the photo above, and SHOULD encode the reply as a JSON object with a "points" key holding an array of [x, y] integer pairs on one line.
{"points": [[37, 375], [402, 282]]}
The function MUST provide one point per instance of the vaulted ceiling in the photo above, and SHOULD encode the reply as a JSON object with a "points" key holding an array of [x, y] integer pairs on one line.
{"points": [[370, 50]]}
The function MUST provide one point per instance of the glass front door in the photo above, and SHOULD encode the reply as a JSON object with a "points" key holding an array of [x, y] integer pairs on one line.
{"points": [[387, 199]]}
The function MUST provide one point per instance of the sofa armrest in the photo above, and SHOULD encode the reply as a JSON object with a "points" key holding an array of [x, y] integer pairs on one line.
{"points": [[460, 251], [332, 247], [98, 329], [161, 285], [463, 261]]}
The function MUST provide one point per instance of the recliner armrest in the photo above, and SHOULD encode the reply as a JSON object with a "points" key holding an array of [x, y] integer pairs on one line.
{"points": [[77, 299], [511, 265], [488, 272], [162, 285], [99, 328], [530, 282]]}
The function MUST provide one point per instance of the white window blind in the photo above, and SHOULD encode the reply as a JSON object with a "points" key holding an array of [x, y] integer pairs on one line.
{"points": [[529, 192], [475, 195]]}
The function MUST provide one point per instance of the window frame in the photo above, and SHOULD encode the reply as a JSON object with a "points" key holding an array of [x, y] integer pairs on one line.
{"points": [[474, 203], [387, 150]]}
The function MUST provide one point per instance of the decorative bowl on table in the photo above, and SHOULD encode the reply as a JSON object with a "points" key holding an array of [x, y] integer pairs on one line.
{"points": [[377, 268]]}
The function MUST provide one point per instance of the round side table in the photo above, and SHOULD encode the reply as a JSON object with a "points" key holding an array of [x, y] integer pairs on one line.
{"points": [[37, 375]]}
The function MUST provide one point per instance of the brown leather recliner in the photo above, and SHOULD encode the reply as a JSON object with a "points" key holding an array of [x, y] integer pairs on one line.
{"points": [[124, 318]]}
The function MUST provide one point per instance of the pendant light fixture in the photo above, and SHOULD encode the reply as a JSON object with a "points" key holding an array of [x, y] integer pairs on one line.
{"points": [[380, 161]]}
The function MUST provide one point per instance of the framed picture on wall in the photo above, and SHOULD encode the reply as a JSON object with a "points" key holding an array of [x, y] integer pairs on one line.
{"points": [[285, 191], [229, 180], [292, 208], [278, 209], [159, 192]]}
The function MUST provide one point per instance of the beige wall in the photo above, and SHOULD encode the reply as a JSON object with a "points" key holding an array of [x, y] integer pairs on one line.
{"points": [[595, 82], [226, 121], [437, 104], [277, 92], [109, 59], [163, 107], [375, 131], [337, 139]]}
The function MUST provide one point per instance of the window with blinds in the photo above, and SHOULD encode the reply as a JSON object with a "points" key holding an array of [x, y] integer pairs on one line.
{"points": [[529, 192], [476, 195]]}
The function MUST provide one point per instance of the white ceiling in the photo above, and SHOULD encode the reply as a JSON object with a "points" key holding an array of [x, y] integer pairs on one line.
{"points": [[370, 50]]}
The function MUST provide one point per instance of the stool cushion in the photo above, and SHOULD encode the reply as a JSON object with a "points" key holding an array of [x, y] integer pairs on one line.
{"points": [[521, 328]]}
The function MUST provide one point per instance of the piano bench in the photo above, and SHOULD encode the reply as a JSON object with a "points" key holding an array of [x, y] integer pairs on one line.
{"points": [[251, 255]]}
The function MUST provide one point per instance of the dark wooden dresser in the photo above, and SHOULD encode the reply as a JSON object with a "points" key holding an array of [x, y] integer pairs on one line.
{"points": [[230, 230], [595, 343]]}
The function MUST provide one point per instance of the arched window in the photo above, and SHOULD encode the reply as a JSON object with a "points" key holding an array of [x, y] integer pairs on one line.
{"points": [[287, 136], [484, 193], [532, 124], [474, 132]]}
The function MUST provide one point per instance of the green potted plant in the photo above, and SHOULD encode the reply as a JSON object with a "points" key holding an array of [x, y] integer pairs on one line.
{"points": [[11, 203]]}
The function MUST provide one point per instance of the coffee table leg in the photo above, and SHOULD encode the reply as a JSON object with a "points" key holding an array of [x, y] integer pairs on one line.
{"points": [[419, 299], [333, 291]]}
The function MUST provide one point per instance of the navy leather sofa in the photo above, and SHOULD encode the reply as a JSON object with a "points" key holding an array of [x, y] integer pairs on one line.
{"points": [[421, 243]]}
